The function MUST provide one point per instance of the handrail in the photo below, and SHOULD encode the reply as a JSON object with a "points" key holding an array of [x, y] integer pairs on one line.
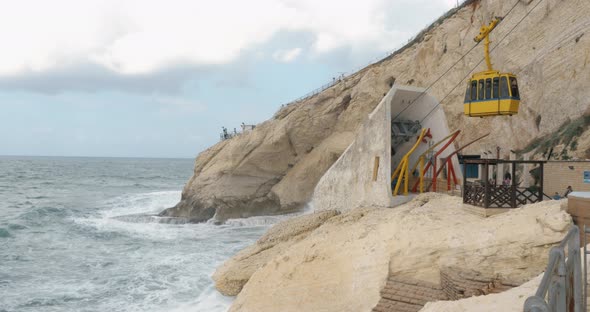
{"points": [[561, 287], [402, 170], [585, 271]]}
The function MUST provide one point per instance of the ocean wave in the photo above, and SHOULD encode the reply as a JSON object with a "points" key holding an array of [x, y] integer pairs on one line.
{"points": [[14, 226], [147, 218], [4, 233], [258, 221], [209, 300], [141, 203], [39, 214], [132, 215]]}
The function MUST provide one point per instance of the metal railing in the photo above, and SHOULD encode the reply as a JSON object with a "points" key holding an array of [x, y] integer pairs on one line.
{"points": [[561, 287], [586, 231]]}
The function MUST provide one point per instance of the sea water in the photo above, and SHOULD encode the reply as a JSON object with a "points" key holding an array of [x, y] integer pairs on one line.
{"points": [[76, 235]]}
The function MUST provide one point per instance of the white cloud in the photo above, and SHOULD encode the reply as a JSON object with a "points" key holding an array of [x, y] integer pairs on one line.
{"points": [[287, 56], [139, 37]]}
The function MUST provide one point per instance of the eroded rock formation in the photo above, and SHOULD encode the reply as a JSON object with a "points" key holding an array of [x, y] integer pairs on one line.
{"points": [[343, 264]]}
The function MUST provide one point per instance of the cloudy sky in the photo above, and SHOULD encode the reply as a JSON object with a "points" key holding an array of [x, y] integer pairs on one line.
{"points": [[160, 78]]}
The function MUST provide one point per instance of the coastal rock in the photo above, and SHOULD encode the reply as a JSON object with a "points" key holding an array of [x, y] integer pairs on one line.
{"points": [[343, 265], [235, 272], [275, 168]]}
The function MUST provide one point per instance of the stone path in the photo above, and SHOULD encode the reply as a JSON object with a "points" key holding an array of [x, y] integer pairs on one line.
{"points": [[410, 295], [407, 295]]}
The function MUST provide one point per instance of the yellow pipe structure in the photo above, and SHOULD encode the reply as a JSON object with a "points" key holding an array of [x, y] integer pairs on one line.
{"points": [[484, 34], [402, 170]]}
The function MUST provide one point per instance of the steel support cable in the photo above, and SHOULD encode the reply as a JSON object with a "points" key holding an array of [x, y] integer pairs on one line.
{"points": [[472, 69], [449, 69]]}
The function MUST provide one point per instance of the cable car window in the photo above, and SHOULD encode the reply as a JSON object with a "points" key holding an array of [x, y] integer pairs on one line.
{"points": [[504, 88], [495, 88], [468, 93], [488, 88], [514, 87], [480, 91], [474, 90]]}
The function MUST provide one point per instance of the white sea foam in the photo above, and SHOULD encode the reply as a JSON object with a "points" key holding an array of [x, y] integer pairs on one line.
{"points": [[140, 207], [142, 203], [209, 300], [137, 222], [133, 215], [259, 221]]}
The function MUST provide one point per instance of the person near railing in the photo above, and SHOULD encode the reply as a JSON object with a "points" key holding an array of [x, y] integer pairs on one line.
{"points": [[507, 179]]}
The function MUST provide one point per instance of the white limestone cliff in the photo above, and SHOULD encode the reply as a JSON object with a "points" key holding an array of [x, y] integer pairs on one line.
{"points": [[343, 264]]}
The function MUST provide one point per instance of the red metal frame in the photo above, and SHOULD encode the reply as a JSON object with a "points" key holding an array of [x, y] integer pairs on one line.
{"points": [[433, 162], [450, 163]]}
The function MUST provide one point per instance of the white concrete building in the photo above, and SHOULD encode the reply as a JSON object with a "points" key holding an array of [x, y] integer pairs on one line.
{"points": [[350, 182]]}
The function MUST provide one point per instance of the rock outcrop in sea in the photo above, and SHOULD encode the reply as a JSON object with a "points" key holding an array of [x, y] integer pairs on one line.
{"points": [[274, 169]]}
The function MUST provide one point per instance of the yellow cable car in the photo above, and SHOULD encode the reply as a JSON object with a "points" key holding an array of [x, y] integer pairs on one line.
{"points": [[491, 93]]}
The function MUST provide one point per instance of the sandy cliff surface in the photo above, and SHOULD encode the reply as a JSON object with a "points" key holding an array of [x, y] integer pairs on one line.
{"points": [[274, 169], [343, 264], [234, 273]]}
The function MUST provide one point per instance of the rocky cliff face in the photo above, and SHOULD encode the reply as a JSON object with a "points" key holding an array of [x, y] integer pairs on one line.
{"points": [[275, 168]]}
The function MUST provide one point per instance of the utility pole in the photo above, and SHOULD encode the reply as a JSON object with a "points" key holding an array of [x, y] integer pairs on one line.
{"points": [[499, 168]]}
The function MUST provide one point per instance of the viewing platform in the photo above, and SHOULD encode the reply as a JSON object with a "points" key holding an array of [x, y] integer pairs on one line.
{"points": [[487, 193]]}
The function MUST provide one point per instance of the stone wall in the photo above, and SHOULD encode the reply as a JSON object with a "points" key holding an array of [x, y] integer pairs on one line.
{"points": [[558, 175], [350, 183], [407, 295], [458, 284], [410, 295]]}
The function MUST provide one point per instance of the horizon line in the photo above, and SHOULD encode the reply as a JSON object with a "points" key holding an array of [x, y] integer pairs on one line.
{"points": [[72, 156]]}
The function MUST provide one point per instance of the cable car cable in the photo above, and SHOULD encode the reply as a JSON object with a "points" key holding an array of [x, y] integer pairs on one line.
{"points": [[451, 67], [472, 69]]}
